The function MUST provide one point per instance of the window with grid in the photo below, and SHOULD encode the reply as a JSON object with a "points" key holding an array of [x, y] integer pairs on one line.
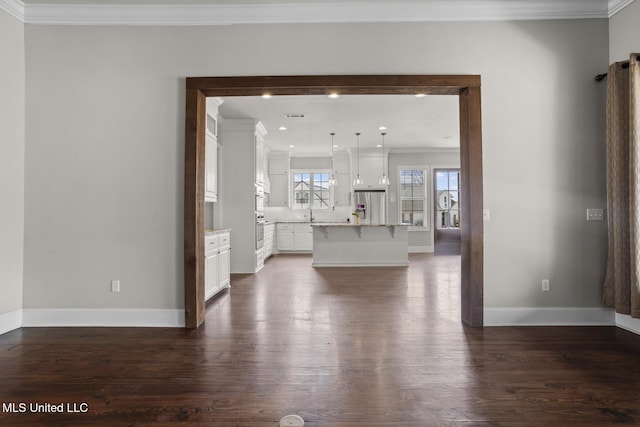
{"points": [[447, 198], [310, 189], [413, 197]]}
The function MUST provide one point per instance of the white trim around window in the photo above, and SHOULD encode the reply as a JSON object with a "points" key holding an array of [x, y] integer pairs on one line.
{"points": [[427, 205], [292, 192]]}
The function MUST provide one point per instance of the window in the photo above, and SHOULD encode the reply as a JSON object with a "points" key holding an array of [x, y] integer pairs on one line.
{"points": [[413, 197], [447, 198], [311, 189]]}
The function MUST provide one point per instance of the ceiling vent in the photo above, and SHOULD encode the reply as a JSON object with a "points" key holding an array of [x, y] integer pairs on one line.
{"points": [[294, 116]]}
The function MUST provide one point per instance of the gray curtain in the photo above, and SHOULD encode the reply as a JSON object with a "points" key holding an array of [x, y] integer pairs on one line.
{"points": [[622, 280]]}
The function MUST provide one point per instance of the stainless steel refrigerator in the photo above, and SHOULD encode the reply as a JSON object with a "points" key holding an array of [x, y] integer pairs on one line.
{"points": [[371, 205]]}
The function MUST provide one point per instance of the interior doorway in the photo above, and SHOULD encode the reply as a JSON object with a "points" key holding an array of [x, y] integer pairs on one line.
{"points": [[466, 87]]}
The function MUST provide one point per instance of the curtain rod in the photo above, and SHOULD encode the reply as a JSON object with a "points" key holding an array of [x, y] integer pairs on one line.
{"points": [[625, 64]]}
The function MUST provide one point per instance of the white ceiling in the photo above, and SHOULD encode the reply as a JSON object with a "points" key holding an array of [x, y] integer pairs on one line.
{"points": [[228, 12], [412, 123]]}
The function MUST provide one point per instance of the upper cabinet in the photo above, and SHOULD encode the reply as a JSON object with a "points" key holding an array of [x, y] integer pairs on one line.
{"points": [[372, 164], [211, 168], [342, 191], [211, 151], [260, 132], [279, 179]]}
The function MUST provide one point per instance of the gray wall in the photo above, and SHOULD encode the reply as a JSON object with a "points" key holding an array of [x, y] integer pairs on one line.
{"points": [[624, 33], [105, 145], [12, 140]]}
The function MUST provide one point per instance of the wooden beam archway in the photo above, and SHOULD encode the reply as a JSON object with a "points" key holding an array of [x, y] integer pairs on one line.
{"points": [[467, 87]]}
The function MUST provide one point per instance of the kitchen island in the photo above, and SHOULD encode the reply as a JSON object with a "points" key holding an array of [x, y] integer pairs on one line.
{"points": [[363, 245]]}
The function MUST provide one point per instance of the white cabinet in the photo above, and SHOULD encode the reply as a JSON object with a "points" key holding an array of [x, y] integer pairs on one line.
{"points": [[371, 166], [279, 164], [211, 151], [294, 237], [285, 240], [265, 169], [260, 132], [342, 191], [237, 139], [210, 265], [279, 179], [269, 234], [279, 195], [211, 168], [224, 260], [260, 257], [216, 263], [303, 237]]}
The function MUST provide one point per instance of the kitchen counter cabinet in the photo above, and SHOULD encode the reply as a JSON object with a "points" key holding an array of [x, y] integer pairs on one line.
{"points": [[294, 237], [217, 254], [269, 238], [345, 245]]}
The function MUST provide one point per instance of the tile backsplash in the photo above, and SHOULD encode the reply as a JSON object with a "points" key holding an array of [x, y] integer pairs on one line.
{"points": [[275, 214]]}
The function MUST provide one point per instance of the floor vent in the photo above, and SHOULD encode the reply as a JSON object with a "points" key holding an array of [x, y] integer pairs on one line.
{"points": [[291, 421]]}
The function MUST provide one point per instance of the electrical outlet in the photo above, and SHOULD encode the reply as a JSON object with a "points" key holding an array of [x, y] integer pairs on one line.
{"points": [[545, 285], [595, 214], [115, 286]]}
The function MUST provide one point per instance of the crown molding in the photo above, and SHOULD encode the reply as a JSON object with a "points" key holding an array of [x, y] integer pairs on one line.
{"points": [[336, 12], [616, 6], [14, 8]]}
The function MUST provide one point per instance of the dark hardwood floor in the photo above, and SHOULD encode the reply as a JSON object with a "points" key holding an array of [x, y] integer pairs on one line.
{"points": [[338, 346]]}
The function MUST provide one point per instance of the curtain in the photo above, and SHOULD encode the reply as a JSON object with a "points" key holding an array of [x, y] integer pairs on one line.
{"points": [[622, 279]]}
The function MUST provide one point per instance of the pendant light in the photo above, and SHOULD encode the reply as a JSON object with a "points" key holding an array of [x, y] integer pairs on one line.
{"points": [[332, 181], [358, 181], [384, 180]]}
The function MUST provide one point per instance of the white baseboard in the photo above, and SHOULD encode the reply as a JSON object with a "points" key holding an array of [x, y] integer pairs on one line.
{"points": [[10, 321], [136, 318], [627, 322], [420, 249], [549, 316]]}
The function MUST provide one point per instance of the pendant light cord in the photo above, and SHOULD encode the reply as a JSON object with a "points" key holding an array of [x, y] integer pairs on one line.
{"points": [[358, 152], [383, 174]]}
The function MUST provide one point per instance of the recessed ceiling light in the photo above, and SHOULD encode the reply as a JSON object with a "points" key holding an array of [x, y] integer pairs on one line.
{"points": [[266, 95], [282, 128], [382, 128], [335, 146], [334, 95], [379, 145], [292, 146], [420, 95]]}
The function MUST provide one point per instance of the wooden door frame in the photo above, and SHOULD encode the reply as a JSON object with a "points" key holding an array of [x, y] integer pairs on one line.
{"points": [[467, 87]]}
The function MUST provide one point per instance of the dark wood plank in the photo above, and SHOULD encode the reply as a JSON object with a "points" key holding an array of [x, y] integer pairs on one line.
{"points": [[194, 169], [471, 206], [341, 347]]}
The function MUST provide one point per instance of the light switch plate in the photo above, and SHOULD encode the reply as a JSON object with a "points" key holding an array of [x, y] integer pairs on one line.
{"points": [[485, 215], [595, 214]]}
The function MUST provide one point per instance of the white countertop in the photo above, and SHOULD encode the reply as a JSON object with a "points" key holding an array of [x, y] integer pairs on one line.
{"points": [[346, 224], [217, 230]]}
